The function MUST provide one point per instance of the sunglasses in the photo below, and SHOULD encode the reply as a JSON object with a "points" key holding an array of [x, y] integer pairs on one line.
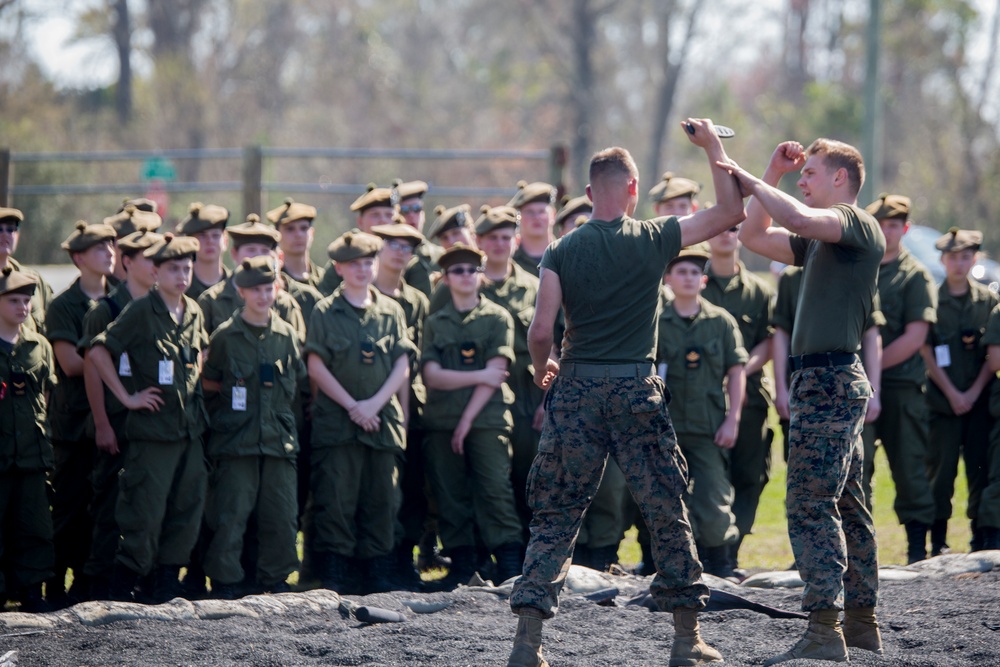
{"points": [[401, 246], [411, 208], [734, 229], [9, 229], [464, 271]]}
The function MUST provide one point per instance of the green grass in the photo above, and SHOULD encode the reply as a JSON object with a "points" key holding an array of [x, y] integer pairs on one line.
{"points": [[767, 547]]}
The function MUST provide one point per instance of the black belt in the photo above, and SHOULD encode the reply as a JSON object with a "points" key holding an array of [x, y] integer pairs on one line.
{"points": [[820, 359], [575, 370]]}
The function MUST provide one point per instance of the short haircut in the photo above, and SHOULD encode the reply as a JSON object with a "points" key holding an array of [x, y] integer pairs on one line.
{"points": [[838, 155], [612, 162]]}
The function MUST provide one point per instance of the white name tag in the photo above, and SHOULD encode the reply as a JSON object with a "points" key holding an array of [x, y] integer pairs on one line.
{"points": [[240, 399], [124, 366], [942, 354], [166, 371]]}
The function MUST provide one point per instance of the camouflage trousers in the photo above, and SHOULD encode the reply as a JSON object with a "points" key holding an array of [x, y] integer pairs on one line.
{"points": [[829, 525], [586, 419]]}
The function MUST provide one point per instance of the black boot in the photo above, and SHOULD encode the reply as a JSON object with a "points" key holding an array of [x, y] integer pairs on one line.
{"points": [[978, 539], [406, 576], [381, 574], [100, 588], [166, 583], [32, 601], [715, 561], [463, 567], [430, 556], [581, 556], [991, 538], [510, 561], [648, 566], [123, 581], [939, 537], [916, 541], [55, 590], [602, 558], [221, 591], [732, 553]]}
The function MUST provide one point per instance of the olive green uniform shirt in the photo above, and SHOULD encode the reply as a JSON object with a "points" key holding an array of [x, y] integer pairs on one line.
{"points": [[40, 300], [221, 300], [198, 288], [415, 306], [961, 327], [698, 352], [102, 313], [252, 414], [27, 373], [604, 324], [749, 300], [331, 280], [838, 284], [422, 267], [163, 354], [465, 341], [906, 294], [360, 350], [526, 261], [313, 278], [69, 407]]}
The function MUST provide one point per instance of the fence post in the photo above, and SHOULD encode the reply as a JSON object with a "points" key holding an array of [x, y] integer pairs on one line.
{"points": [[253, 169], [4, 175], [558, 158]]}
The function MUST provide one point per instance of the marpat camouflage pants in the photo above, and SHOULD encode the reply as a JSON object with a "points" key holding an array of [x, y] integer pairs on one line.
{"points": [[829, 526], [585, 420]]}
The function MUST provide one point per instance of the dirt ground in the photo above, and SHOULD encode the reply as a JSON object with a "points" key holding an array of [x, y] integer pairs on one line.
{"points": [[932, 621]]}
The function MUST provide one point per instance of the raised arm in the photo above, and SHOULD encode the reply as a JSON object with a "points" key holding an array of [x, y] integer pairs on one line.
{"points": [[728, 210]]}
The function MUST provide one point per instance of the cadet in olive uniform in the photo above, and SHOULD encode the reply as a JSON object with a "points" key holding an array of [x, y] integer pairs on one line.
{"points": [[219, 302], [358, 358], [839, 246], [400, 242], [134, 215], [605, 398], [674, 195], [988, 520], [91, 247], [700, 346], [536, 204], [207, 223], [294, 220], [569, 214], [467, 349], [375, 207], [27, 374], [163, 484], [748, 299], [452, 225], [959, 391], [907, 296], [108, 414], [10, 233], [423, 264], [253, 369]]}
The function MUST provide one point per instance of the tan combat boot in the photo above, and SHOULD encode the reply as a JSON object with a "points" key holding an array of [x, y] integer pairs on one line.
{"points": [[823, 640], [689, 648], [861, 630], [527, 651]]}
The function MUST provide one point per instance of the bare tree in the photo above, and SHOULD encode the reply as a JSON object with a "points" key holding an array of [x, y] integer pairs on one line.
{"points": [[122, 33]]}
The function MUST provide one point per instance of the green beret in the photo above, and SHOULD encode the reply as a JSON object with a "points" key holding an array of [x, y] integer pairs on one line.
{"points": [[375, 196], [399, 230], [202, 217], [254, 231], [254, 271], [529, 193], [409, 189], [571, 208], [172, 247], [16, 282], [86, 236], [696, 254], [496, 218], [959, 239], [138, 241], [890, 207], [290, 211], [133, 219], [354, 245], [449, 218], [460, 254], [11, 215], [141, 203], [671, 186]]}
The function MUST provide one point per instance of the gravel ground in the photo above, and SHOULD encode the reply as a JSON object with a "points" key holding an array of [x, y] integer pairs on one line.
{"points": [[931, 621]]}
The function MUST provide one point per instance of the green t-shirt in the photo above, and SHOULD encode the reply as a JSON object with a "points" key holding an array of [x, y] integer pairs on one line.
{"points": [[906, 293], [838, 284], [611, 274]]}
